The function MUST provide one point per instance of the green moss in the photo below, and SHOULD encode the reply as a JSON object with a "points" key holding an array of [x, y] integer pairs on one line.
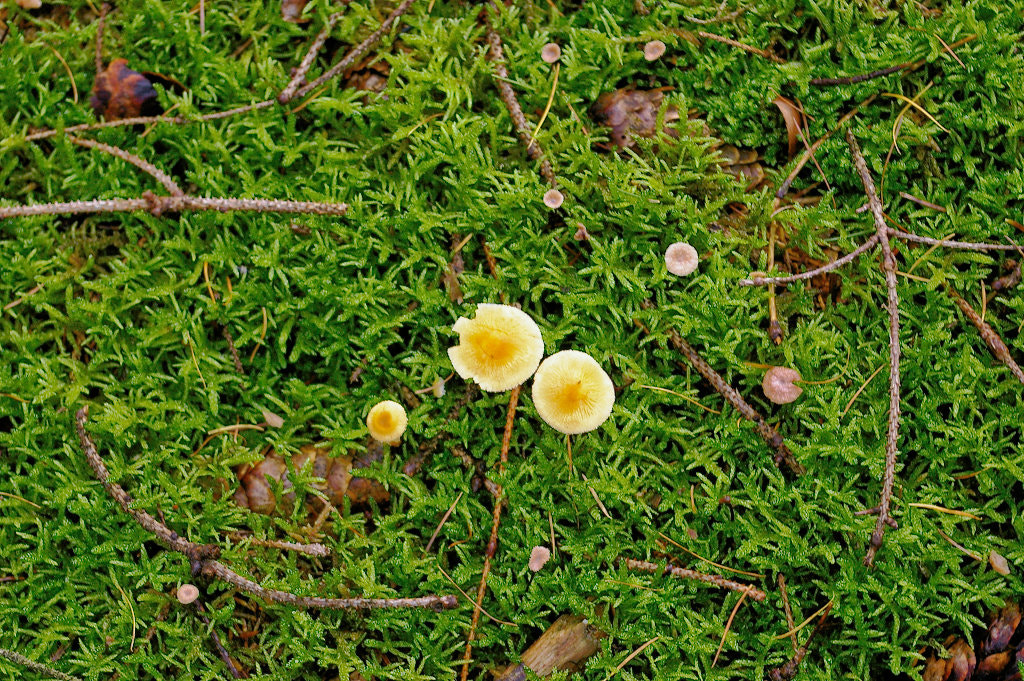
{"points": [[123, 320]]}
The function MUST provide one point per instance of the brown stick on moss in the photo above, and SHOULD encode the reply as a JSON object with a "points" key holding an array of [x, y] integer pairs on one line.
{"points": [[18, 658], [492, 543], [783, 455], [684, 573], [496, 54], [988, 334], [203, 557], [157, 205], [892, 307]]}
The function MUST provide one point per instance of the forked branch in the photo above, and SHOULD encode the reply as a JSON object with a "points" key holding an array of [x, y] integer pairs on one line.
{"points": [[203, 557], [892, 306]]}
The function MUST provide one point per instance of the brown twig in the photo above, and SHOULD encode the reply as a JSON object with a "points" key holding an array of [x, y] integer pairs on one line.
{"points": [[921, 202], [232, 349], [684, 573], [158, 205], [100, 23], [783, 455], [315, 550], [960, 245], [357, 51], [988, 334], [892, 306], [203, 557], [163, 178], [834, 265], [492, 543], [496, 55], [288, 93], [35, 666], [787, 671], [746, 48], [850, 80], [236, 673], [789, 612]]}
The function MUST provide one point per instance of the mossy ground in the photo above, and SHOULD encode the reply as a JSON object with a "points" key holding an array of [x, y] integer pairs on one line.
{"points": [[120, 318]]}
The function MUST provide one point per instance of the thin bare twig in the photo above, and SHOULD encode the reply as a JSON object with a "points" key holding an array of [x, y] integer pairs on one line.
{"points": [[288, 93], [684, 573], [492, 543], [236, 673], [988, 334], [357, 51], [157, 205], [783, 455], [163, 178], [496, 54], [742, 46], [961, 245], [850, 80], [834, 265], [315, 550], [231, 348], [892, 306], [787, 671], [203, 557], [789, 612], [35, 666], [100, 24]]}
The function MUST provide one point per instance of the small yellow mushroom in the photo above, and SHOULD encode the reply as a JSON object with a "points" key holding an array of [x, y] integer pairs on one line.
{"points": [[572, 392], [499, 348], [387, 421]]}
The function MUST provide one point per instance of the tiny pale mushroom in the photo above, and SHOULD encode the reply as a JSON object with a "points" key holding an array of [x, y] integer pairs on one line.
{"points": [[572, 393], [387, 421], [29, 4], [681, 259], [654, 50], [538, 557], [187, 593], [998, 563], [553, 198], [551, 53], [780, 386], [499, 348]]}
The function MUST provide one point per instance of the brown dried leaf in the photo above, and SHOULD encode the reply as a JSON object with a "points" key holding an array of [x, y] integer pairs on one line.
{"points": [[256, 493], [793, 117], [291, 10], [633, 113], [1000, 630], [962, 661], [371, 75], [120, 92]]}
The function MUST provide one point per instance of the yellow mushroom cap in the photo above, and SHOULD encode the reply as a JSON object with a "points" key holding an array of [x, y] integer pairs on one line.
{"points": [[499, 348], [387, 421], [572, 392]]}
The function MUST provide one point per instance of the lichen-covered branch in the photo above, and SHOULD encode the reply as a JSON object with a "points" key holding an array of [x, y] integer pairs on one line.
{"points": [[158, 205], [892, 306], [203, 557]]}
